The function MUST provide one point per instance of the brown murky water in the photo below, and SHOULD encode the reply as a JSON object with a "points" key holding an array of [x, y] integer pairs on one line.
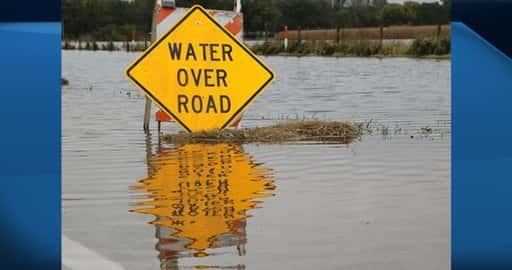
{"points": [[380, 203]]}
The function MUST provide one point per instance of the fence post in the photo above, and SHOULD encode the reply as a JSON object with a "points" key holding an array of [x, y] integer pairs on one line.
{"points": [[285, 37], [381, 30], [299, 36]]}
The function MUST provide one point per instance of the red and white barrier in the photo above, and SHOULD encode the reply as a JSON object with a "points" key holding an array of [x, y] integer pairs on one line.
{"points": [[166, 17]]}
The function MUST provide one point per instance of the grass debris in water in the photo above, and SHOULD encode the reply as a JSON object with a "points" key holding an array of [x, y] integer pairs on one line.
{"points": [[293, 131]]}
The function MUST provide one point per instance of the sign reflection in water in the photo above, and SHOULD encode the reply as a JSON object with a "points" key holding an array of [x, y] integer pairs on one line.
{"points": [[200, 195]]}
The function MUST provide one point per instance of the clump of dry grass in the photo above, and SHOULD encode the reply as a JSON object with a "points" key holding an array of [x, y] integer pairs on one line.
{"points": [[293, 131]]}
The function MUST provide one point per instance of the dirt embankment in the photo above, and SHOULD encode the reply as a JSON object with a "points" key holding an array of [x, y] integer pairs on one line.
{"points": [[370, 33]]}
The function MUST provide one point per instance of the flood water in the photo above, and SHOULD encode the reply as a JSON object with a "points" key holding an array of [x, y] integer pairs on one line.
{"points": [[382, 202]]}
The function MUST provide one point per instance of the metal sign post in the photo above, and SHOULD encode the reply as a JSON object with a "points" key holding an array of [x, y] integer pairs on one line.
{"points": [[147, 107]]}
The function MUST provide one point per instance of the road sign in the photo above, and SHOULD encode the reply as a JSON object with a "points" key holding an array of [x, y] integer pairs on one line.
{"points": [[199, 73]]}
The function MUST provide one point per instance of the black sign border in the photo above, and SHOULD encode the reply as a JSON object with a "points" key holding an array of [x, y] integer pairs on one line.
{"points": [[192, 10]]}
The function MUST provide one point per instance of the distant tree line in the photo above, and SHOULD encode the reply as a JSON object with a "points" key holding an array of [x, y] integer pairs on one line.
{"points": [[272, 15], [105, 19], [116, 19]]}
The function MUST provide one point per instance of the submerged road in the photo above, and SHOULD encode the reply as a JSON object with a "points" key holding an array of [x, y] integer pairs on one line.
{"points": [[76, 256]]}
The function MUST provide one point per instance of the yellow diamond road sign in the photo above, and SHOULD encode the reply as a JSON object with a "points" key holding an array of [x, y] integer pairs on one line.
{"points": [[199, 73]]}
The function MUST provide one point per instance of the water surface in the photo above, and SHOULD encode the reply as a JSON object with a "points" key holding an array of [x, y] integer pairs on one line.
{"points": [[380, 203]]}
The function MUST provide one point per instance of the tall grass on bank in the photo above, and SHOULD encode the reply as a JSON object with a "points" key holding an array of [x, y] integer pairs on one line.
{"points": [[105, 46], [430, 46], [420, 47], [68, 46], [423, 46]]}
